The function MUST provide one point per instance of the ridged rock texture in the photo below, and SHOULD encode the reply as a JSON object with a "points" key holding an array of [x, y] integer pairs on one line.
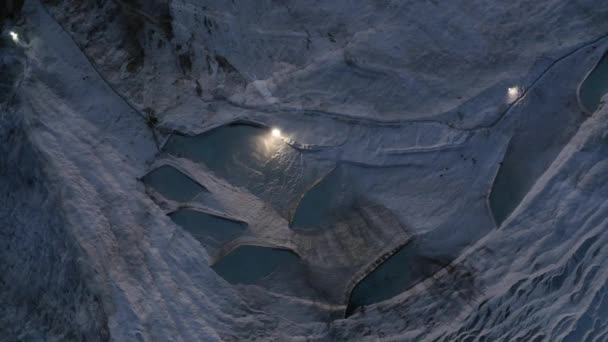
{"points": [[290, 170]]}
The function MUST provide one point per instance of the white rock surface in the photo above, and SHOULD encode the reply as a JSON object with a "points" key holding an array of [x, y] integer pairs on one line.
{"points": [[501, 195]]}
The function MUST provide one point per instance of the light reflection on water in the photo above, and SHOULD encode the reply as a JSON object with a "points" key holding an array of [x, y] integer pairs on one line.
{"points": [[251, 157]]}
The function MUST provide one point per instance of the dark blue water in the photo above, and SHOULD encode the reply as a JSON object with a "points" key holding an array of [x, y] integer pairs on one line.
{"points": [[173, 184], [595, 86], [322, 201], [401, 271], [250, 264], [210, 230], [250, 157]]}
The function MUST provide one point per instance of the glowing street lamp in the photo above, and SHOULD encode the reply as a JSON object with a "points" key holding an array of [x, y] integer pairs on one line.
{"points": [[14, 36], [513, 93], [276, 132]]}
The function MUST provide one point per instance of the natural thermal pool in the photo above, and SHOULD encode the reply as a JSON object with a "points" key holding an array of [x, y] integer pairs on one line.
{"points": [[504, 201], [251, 157], [595, 86], [211, 230], [250, 264], [173, 184], [322, 201], [396, 274]]}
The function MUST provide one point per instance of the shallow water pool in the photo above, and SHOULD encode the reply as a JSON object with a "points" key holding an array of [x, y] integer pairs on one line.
{"points": [[595, 86], [173, 184], [398, 273], [322, 201], [210, 230], [250, 264], [250, 157]]}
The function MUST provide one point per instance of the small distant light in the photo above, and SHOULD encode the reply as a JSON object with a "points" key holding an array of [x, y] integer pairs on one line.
{"points": [[276, 132], [514, 92], [14, 36]]}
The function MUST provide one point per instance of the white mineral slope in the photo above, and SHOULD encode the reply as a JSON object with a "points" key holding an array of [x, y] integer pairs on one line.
{"points": [[381, 60], [87, 255], [540, 277]]}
